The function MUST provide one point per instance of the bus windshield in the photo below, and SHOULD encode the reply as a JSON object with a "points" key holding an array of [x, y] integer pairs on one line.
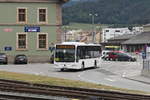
{"points": [[65, 54]]}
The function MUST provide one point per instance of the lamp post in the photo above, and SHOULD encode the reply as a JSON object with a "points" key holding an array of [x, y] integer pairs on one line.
{"points": [[93, 19], [99, 31], [65, 28]]}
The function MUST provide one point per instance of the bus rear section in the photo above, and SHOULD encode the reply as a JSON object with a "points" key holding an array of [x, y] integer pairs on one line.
{"points": [[88, 56]]}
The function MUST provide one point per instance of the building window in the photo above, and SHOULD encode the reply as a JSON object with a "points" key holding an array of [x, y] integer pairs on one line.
{"points": [[117, 30], [22, 15], [42, 41], [42, 15], [107, 31], [21, 41]]}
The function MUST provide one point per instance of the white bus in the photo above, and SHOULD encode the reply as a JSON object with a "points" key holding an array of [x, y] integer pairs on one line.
{"points": [[77, 55]]}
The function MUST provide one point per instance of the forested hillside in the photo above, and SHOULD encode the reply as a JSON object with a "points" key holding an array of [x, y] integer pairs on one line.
{"points": [[109, 11]]}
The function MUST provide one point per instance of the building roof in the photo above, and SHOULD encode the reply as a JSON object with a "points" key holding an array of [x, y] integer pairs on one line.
{"points": [[147, 25], [122, 37], [5, 1], [143, 38]]}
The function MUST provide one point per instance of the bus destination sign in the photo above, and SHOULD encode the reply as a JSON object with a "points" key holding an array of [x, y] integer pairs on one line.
{"points": [[65, 46]]}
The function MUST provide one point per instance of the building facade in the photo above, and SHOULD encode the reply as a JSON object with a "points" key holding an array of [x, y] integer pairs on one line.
{"points": [[108, 33], [82, 36], [137, 43], [30, 27], [146, 27]]}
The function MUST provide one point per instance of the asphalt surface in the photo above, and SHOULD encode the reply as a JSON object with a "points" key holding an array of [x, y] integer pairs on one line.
{"points": [[112, 73]]}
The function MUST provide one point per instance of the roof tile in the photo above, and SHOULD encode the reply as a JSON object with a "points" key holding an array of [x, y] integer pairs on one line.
{"points": [[143, 38]]}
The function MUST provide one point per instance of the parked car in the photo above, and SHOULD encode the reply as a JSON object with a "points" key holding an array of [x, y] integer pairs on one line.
{"points": [[105, 54], [112, 55], [120, 56], [3, 58], [21, 59]]}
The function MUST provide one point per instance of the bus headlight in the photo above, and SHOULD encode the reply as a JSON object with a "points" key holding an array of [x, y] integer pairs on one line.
{"points": [[74, 65]]}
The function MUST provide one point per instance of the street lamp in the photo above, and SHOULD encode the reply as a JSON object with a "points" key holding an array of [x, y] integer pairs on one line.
{"points": [[65, 28], [93, 19], [99, 31]]}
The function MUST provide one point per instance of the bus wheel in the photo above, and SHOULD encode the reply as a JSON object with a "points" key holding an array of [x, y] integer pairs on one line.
{"points": [[95, 64], [82, 66], [116, 59], [62, 69]]}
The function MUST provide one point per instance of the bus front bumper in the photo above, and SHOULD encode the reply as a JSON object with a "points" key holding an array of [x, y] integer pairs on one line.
{"points": [[67, 66]]}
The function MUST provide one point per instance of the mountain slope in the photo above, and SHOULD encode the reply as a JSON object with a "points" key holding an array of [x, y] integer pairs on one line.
{"points": [[109, 11]]}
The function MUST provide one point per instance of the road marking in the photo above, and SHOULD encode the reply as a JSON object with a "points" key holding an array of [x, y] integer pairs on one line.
{"points": [[112, 76], [124, 74], [110, 79], [86, 79], [79, 75]]}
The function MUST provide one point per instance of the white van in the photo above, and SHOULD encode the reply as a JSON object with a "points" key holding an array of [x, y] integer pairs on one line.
{"points": [[105, 53]]}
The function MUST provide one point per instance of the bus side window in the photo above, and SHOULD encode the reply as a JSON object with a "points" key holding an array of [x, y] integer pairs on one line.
{"points": [[80, 53], [83, 52]]}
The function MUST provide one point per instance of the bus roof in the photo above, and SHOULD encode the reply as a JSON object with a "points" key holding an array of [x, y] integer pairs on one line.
{"points": [[78, 44]]}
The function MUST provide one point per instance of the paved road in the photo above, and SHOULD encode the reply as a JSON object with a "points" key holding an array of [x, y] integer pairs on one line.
{"points": [[108, 73]]}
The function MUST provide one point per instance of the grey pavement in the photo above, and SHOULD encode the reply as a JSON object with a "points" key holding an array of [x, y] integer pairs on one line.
{"points": [[139, 78], [118, 74], [130, 71]]}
